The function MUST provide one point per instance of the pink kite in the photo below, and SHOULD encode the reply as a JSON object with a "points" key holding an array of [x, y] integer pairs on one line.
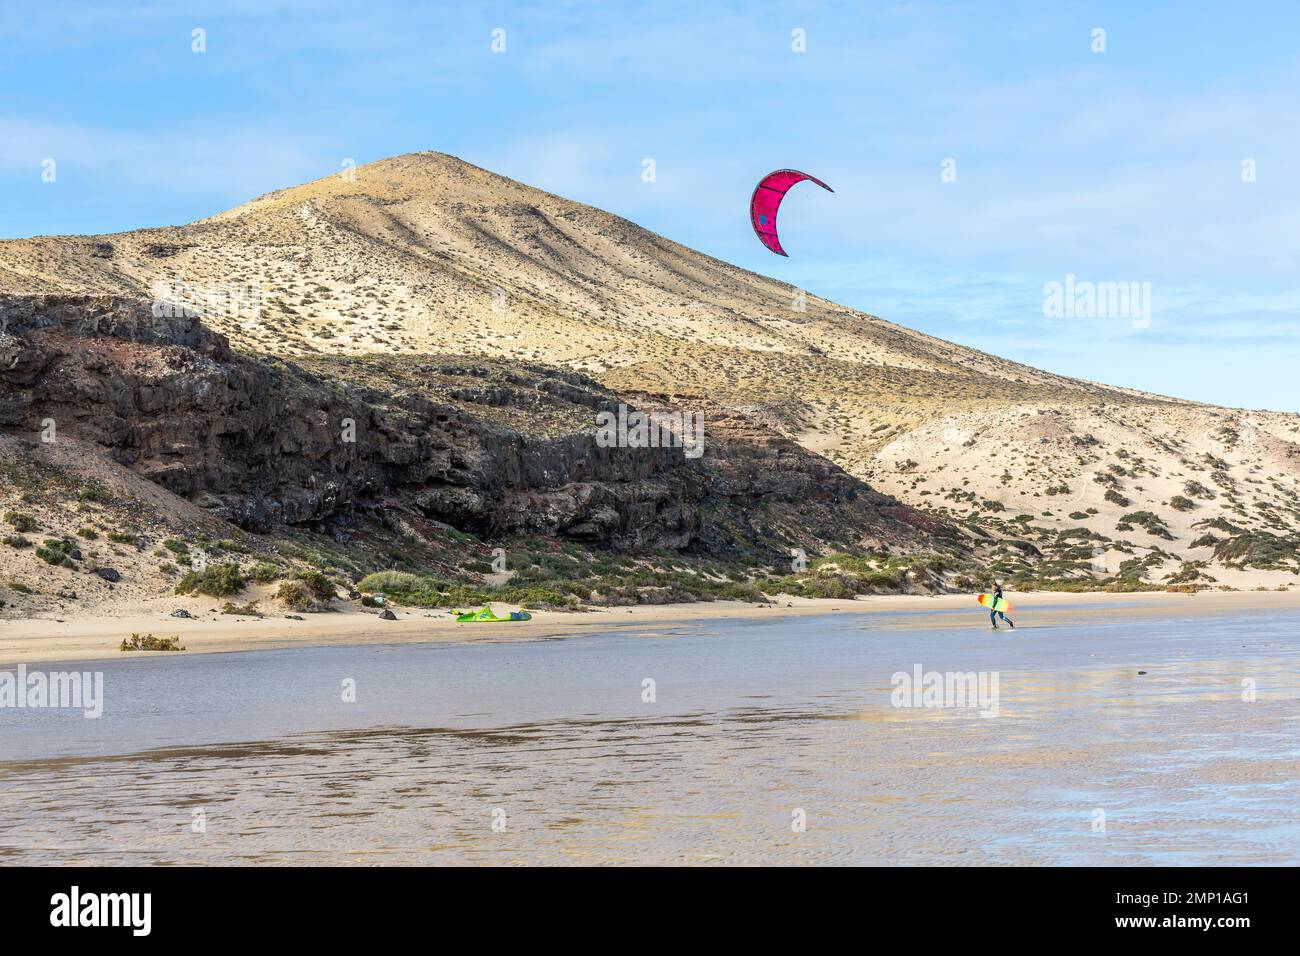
{"points": [[765, 202]]}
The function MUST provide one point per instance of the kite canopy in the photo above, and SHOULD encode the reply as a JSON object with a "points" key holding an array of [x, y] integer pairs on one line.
{"points": [[765, 202]]}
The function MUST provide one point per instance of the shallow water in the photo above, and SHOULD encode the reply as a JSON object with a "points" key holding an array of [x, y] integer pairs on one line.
{"points": [[546, 752]]}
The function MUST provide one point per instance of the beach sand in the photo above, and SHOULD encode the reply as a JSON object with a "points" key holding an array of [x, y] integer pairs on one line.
{"points": [[97, 638]]}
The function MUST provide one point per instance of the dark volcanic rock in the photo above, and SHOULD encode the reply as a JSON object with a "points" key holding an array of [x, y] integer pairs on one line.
{"points": [[108, 574], [266, 443]]}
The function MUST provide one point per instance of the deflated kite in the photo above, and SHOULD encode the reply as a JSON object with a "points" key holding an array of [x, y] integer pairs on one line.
{"points": [[765, 202]]}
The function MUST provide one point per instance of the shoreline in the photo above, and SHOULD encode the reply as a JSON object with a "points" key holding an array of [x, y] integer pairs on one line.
{"points": [[97, 638]]}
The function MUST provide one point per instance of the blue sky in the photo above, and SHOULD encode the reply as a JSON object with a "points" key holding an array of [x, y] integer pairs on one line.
{"points": [[1120, 166]]}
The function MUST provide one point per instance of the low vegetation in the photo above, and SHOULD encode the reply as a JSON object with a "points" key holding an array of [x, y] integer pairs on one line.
{"points": [[148, 642], [56, 552], [317, 584], [293, 595], [1259, 549], [217, 580], [246, 610], [21, 522]]}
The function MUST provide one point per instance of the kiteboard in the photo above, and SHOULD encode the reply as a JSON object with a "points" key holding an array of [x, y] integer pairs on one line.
{"points": [[995, 604]]}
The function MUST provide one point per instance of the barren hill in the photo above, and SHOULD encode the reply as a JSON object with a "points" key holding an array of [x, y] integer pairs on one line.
{"points": [[426, 254]]}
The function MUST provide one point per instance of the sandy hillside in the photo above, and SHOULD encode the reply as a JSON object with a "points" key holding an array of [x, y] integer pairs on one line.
{"points": [[426, 253]]}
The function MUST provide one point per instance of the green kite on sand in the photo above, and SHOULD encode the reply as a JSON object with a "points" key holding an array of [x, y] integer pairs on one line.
{"points": [[485, 614]]}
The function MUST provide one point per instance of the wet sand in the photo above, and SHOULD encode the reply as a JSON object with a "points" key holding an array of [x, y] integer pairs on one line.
{"points": [[1110, 745], [209, 632]]}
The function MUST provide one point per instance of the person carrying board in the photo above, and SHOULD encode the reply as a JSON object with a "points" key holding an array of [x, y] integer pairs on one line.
{"points": [[994, 613]]}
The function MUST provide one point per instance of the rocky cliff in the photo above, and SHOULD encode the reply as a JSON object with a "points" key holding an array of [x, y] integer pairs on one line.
{"points": [[493, 448]]}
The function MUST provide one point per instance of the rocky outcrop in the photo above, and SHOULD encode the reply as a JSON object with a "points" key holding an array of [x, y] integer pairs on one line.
{"points": [[265, 443], [132, 320]]}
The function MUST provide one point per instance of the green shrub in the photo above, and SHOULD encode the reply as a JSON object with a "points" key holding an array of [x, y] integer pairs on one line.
{"points": [[248, 610], [832, 586], [148, 642], [1148, 522], [217, 580], [90, 534], [742, 591], [1260, 549], [293, 595], [321, 587], [1218, 524], [1191, 572], [17, 541], [21, 522], [54, 552], [819, 585], [263, 573], [416, 590], [533, 597], [392, 581]]}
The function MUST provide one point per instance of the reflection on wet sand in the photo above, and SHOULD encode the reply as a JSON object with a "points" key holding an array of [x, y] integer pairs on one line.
{"points": [[1183, 769], [888, 787]]}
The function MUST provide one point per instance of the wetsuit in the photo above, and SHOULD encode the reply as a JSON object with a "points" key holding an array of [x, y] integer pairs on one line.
{"points": [[994, 615]]}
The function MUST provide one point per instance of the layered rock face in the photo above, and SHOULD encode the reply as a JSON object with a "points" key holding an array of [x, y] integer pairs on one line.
{"points": [[266, 444]]}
